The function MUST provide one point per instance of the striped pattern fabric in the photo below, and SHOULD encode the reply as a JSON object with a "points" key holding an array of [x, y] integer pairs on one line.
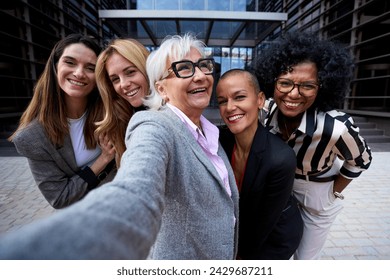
{"points": [[323, 136]]}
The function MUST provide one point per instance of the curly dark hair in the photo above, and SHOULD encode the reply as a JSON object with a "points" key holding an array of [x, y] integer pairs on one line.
{"points": [[333, 61]]}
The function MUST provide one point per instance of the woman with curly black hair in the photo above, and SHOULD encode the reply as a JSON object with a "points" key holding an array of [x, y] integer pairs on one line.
{"points": [[307, 79]]}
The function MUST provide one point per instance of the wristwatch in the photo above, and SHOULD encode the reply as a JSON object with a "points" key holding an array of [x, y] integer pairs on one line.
{"points": [[338, 195]]}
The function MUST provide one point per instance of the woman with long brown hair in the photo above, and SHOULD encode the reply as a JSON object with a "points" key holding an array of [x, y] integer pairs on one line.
{"points": [[56, 133]]}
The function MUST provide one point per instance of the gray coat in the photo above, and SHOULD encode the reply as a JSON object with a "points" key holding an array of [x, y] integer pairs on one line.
{"points": [[54, 168], [167, 194]]}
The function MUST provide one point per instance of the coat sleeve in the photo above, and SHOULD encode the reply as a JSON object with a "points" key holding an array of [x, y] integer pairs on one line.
{"points": [[59, 184], [119, 220]]}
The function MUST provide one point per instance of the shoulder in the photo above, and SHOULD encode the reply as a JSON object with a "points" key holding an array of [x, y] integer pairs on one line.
{"points": [[336, 115], [335, 122], [226, 138], [29, 138], [163, 121], [278, 150], [271, 141], [30, 131], [163, 115], [224, 131]]}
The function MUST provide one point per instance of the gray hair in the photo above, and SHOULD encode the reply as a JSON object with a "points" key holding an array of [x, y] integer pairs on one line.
{"points": [[173, 48]]}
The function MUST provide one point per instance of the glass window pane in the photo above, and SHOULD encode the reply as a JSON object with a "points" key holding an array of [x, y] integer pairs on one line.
{"points": [[222, 5], [164, 28], [167, 5], [195, 27], [145, 5], [239, 5], [193, 4]]}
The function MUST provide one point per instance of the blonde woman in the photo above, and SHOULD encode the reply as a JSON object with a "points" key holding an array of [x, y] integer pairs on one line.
{"points": [[123, 84]]}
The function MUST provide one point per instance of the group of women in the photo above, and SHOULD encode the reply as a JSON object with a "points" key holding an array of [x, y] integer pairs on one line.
{"points": [[72, 132], [167, 188]]}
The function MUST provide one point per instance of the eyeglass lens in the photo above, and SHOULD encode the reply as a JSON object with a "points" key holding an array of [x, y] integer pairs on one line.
{"points": [[286, 86], [186, 68]]}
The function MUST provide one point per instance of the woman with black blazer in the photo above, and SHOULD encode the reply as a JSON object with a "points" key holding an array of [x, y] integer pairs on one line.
{"points": [[270, 224]]}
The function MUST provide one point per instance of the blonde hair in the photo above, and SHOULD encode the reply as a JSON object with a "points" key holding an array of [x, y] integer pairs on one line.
{"points": [[118, 111]]}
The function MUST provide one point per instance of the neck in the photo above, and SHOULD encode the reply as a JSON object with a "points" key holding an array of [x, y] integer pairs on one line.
{"points": [[75, 108], [193, 115], [244, 139], [288, 125], [75, 114], [244, 143], [196, 121]]}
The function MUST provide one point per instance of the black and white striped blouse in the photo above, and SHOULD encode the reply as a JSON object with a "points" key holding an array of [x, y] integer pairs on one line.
{"points": [[323, 136]]}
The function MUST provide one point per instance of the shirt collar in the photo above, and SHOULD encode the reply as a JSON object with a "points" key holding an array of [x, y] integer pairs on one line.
{"points": [[211, 132], [307, 126]]}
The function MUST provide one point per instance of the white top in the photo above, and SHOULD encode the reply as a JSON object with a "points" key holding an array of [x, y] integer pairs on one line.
{"points": [[84, 157]]}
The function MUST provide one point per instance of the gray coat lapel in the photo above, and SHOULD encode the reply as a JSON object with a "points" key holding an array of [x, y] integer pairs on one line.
{"points": [[66, 155], [197, 149]]}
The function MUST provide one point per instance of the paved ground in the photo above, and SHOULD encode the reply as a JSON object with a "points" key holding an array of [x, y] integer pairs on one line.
{"points": [[362, 230]]}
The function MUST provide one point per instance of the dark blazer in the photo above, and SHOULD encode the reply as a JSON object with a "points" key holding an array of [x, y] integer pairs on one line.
{"points": [[270, 225]]}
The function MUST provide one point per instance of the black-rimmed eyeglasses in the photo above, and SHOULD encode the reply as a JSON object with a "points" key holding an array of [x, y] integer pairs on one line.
{"points": [[186, 68], [306, 89]]}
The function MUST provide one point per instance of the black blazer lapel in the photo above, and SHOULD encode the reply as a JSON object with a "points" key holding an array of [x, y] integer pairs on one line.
{"points": [[255, 159]]}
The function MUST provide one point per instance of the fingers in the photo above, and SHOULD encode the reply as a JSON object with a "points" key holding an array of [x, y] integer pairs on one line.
{"points": [[106, 145]]}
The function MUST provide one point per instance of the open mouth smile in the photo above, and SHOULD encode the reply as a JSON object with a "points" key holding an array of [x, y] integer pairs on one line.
{"points": [[132, 93], [76, 83], [235, 118], [197, 90]]}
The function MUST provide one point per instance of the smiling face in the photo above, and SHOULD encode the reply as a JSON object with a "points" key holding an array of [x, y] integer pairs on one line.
{"points": [[293, 104], [239, 103], [191, 95], [76, 71], [126, 79]]}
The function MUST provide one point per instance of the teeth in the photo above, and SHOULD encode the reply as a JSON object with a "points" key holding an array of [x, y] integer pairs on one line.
{"points": [[198, 90], [290, 104], [76, 83], [131, 93], [236, 117]]}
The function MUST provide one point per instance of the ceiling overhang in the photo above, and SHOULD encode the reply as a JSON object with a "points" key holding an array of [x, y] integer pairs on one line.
{"points": [[215, 28]]}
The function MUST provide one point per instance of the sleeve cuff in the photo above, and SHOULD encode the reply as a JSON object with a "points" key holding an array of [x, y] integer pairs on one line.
{"points": [[89, 177]]}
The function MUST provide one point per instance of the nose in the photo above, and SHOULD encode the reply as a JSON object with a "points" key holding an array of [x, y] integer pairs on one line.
{"points": [[230, 105], [199, 74], [125, 83], [79, 72], [295, 92]]}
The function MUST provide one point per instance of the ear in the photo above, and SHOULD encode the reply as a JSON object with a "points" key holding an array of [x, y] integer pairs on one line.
{"points": [[160, 88], [260, 100]]}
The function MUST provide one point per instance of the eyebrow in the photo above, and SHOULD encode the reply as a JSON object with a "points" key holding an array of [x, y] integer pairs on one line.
{"points": [[125, 69], [72, 58]]}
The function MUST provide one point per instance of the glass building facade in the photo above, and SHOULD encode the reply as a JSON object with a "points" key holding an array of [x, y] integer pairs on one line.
{"points": [[235, 31], [364, 28], [29, 30]]}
